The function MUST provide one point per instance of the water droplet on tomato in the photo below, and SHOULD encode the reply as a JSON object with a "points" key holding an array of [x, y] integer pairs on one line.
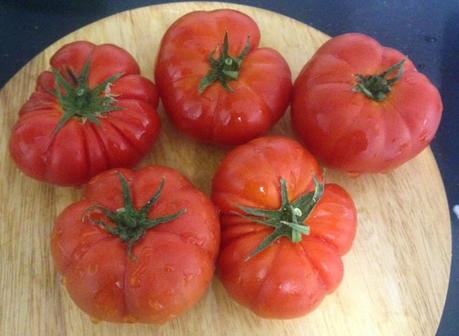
{"points": [[136, 276], [61, 247], [287, 287], [189, 276], [130, 319], [89, 234], [134, 282], [156, 305], [79, 253], [225, 118], [92, 268], [171, 316], [146, 251], [118, 284], [423, 136], [193, 112], [139, 135], [194, 240], [353, 174], [169, 268]]}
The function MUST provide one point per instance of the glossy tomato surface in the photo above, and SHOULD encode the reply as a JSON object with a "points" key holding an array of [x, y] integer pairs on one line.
{"points": [[286, 279], [169, 268], [259, 95], [347, 129], [72, 153]]}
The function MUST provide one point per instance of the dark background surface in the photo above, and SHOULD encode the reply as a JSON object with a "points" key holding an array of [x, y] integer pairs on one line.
{"points": [[427, 31]]}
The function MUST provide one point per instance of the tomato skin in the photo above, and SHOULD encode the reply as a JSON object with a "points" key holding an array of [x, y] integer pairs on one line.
{"points": [[287, 279], [349, 131], [174, 262], [261, 93], [80, 150]]}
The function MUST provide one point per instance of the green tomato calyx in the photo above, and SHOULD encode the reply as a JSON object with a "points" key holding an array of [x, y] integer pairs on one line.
{"points": [[131, 224], [78, 100], [289, 220], [377, 87], [226, 68]]}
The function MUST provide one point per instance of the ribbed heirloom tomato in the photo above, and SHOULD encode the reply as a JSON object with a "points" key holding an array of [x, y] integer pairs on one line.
{"points": [[92, 112], [283, 230], [214, 81], [362, 107], [139, 247]]}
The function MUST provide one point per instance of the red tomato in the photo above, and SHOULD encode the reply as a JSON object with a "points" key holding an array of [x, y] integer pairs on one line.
{"points": [[357, 107], [139, 247], [93, 112], [283, 230], [223, 93]]}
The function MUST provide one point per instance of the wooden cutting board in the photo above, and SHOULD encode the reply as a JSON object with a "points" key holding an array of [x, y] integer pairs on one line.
{"points": [[396, 275]]}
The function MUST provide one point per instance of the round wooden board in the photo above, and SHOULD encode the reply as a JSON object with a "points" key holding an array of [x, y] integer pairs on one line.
{"points": [[396, 275]]}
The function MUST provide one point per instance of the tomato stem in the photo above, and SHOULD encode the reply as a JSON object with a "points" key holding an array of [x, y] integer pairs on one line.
{"points": [[132, 224], [78, 100], [226, 68], [377, 87], [289, 219]]}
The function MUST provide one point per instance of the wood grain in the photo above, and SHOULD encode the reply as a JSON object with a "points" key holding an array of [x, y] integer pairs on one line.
{"points": [[396, 276]]}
